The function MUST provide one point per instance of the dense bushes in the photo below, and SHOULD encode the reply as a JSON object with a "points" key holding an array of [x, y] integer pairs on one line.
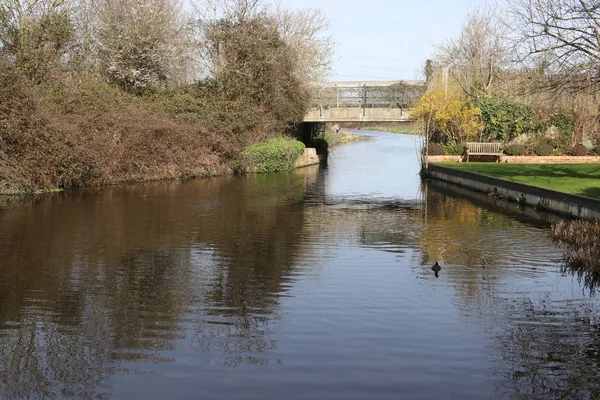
{"points": [[91, 134], [71, 134], [90, 95], [434, 149], [273, 155], [515, 150], [504, 119], [454, 149], [578, 150], [542, 149]]}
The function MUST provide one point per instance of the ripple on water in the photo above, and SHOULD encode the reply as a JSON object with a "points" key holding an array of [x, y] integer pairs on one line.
{"points": [[311, 285]]}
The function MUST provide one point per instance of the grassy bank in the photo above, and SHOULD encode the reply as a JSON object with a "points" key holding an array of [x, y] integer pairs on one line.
{"points": [[406, 128], [334, 138], [273, 155], [581, 179]]}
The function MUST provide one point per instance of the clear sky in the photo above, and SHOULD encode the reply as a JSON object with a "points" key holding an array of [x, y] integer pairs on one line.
{"points": [[387, 39]]}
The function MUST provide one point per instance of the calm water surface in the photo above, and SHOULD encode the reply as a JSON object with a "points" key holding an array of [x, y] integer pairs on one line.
{"points": [[311, 285]]}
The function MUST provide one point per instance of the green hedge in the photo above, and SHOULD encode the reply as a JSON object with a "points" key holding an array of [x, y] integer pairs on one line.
{"points": [[273, 155], [504, 119]]}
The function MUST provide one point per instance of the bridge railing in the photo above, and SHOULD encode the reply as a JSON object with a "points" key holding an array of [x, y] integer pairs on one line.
{"points": [[399, 95]]}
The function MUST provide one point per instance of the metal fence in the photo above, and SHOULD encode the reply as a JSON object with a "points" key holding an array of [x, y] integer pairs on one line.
{"points": [[398, 95]]}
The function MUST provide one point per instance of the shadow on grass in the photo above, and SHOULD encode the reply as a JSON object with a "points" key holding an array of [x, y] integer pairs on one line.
{"points": [[571, 178], [592, 192], [545, 170]]}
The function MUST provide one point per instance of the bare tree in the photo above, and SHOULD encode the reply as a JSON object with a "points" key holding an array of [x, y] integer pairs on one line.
{"points": [[36, 34], [238, 10], [562, 36], [474, 59], [140, 43], [303, 31]]}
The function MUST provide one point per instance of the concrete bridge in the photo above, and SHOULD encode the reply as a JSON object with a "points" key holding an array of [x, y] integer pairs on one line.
{"points": [[363, 101]]}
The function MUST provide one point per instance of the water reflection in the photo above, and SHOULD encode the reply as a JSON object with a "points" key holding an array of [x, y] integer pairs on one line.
{"points": [[90, 281], [549, 349], [546, 334], [305, 285]]}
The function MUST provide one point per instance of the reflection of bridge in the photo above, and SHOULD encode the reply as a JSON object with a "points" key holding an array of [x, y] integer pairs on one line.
{"points": [[367, 101]]}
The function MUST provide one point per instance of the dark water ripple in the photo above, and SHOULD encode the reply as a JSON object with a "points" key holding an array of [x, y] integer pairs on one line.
{"points": [[312, 285]]}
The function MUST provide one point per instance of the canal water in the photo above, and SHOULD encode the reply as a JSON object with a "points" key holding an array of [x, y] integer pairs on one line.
{"points": [[310, 285]]}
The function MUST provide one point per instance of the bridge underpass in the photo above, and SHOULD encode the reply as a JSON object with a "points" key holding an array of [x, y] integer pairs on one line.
{"points": [[357, 102]]}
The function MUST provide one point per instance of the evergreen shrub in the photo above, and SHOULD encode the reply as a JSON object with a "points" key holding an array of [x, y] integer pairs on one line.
{"points": [[274, 155], [515, 150], [454, 149], [543, 149], [436, 149]]}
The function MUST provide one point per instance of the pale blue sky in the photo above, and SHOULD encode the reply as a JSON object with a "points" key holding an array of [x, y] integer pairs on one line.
{"points": [[387, 39]]}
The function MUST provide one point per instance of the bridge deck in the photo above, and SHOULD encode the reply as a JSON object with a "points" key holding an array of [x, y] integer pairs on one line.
{"points": [[363, 101]]}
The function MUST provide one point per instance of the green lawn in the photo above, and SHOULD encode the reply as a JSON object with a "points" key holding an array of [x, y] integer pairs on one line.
{"points": [[404, 127], [582, 179]]}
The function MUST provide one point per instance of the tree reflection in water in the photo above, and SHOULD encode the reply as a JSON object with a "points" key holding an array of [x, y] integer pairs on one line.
{"points": [[549, 349], [97, 286], [129, 271], [546, 346]]}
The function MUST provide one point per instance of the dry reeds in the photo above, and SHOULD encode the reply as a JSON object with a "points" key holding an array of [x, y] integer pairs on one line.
{"points": [[580, 241]]}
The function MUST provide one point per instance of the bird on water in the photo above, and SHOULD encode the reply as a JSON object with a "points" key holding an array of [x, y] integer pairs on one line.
{"points": [[436, 268]]}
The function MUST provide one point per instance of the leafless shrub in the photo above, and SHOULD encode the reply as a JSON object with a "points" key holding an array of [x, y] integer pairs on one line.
{"points": [[36, 34], [475, 59], [302, 31]]}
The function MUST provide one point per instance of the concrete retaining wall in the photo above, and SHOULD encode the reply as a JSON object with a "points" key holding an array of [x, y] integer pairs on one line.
{"points": [[309, 157], [551, 200]]}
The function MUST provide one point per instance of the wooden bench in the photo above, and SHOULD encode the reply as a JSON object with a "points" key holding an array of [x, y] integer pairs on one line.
{"points": [[484, 149]]}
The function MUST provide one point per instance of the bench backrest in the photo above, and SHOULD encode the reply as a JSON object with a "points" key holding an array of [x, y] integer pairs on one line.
{"points": [[484, 148]]}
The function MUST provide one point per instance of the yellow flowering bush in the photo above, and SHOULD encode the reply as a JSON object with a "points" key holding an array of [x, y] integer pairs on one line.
{"points": [[450, 116]]}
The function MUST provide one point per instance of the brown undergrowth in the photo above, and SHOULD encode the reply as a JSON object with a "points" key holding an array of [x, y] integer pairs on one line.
{"points": [[78, 131]]}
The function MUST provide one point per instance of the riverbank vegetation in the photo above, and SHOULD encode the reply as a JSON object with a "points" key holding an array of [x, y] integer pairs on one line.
{"points": [[403, 127], [273, 155], [579, 240], [581, 179], [525, 75], [333, 138], [102, 92]]}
